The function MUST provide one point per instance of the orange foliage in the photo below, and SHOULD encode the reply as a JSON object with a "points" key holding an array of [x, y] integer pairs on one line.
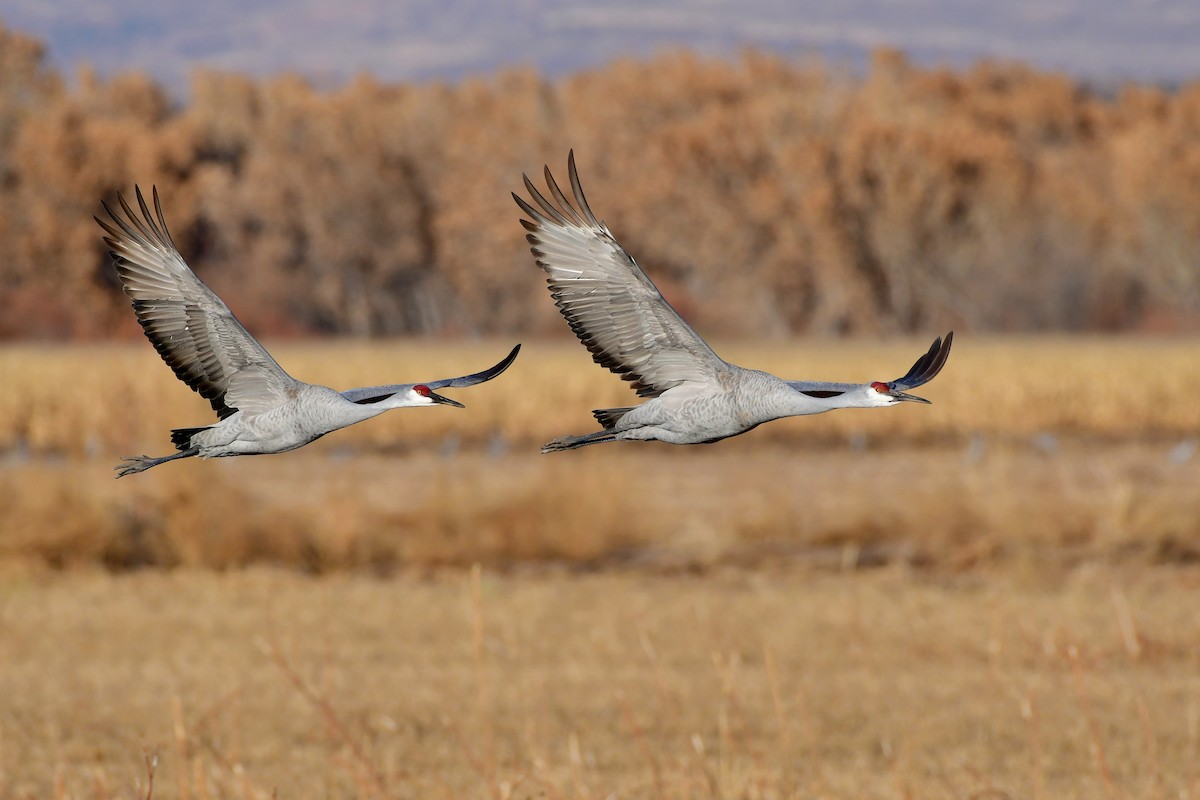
{"points": [[765, 196]]}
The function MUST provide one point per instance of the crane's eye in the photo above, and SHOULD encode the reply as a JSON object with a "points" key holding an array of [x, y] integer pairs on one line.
{"points": [[881, 387], [421, 389]]}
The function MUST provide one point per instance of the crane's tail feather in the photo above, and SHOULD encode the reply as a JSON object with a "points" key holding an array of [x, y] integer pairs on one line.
{"points": [[575, 442], [182, 437], [609, 417], [134, 464]]}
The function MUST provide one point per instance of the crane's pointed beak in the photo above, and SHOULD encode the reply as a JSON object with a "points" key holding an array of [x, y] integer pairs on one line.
{"points": [[437, 398], [898, 395]]}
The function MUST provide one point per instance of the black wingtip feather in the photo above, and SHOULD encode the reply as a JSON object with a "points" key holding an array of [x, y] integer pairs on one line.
{"points": [[929, 365], [481, 377], [577, 190], [110, 240], [132, 215], [162, 220], [537, 216], [508, 359], [563, 203]]}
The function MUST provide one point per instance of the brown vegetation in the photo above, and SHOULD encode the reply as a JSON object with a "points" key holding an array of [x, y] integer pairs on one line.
{"points": [[1034, 450], [766, 196], [115, 399], [989, 597], [261, 684]]}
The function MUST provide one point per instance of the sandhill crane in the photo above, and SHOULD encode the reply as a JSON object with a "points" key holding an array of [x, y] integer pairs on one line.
{"points": [[627, 325], [260, 408]]}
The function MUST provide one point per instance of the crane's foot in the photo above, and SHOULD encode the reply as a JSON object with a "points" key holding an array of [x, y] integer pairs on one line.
{"points": [[133, 464]]}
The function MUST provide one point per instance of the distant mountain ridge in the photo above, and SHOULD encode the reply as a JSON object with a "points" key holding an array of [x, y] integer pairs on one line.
{"points": [[1100, 41]]}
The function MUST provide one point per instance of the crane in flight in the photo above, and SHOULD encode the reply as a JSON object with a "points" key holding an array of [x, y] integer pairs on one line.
{"points": [[260, 408], [695, 396]]}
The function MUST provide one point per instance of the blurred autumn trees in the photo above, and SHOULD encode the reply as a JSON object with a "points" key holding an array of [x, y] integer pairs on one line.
{"points": [[764, 196]]}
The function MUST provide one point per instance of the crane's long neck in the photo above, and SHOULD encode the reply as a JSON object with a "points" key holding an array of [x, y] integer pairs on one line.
{"points": [[373, 407], [798, 398]]}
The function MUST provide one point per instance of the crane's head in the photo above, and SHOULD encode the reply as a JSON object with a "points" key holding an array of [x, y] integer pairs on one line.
{"points": [[922, 372], [422, 395], [886, 394]]}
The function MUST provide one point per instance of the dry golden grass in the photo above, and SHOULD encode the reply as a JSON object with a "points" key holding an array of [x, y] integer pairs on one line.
{"points": [[1064, 450], [651, 621], [652, 507], [118, 399], [264, 684]]}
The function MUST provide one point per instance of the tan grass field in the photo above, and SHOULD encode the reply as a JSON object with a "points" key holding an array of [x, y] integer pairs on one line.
{"points": [[106, 399], [990, 597], [1034, 449], [770, 684]]}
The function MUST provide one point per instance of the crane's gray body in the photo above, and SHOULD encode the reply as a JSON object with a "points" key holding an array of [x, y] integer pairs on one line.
{"points": [[308, 412], [694, 396], [739, 400]]}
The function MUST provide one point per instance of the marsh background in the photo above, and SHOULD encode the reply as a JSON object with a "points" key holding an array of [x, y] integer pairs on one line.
{"points": [[991, 596]]}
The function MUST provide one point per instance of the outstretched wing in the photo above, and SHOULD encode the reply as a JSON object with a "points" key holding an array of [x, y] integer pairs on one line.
{"points": [[373, 394], [190, 327], [610, 304], [921, 373], [927, 366]]}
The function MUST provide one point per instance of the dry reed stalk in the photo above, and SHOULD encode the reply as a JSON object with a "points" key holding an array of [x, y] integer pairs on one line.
{"points": [[789, 783], [321, 704], [182, 750], [733, 740], [643, 745], [699, 757], [1156, 782], [1095, 744], [1193, 750], [1129, 634], [575, 759], [668, 701], [1033, 735], [483, 682]]}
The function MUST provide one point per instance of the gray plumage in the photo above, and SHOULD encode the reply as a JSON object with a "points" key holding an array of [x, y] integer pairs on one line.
{"points": [[694, 396], [260, 408]]}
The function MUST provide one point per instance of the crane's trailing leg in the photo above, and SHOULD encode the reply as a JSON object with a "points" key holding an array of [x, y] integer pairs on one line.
{"points": [[132, 464], [575, 442]]}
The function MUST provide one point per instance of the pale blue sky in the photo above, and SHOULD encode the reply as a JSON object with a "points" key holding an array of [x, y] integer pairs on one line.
{"points": [[1099, 40]]}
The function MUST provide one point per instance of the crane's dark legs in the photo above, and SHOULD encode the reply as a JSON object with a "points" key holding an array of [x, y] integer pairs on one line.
{"points": [[573, 442], [133, 464]]}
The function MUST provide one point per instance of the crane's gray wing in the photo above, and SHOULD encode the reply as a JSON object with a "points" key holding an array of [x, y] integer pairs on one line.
{"points": [[610, 304], [373, 394], [190, 327], [922, 372], [927, 366]]}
